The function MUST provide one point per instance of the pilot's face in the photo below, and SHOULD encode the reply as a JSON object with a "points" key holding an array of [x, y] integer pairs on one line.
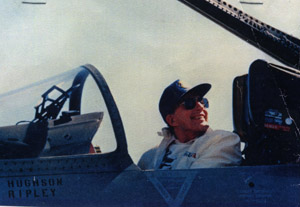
{"points": [[190, 122]]}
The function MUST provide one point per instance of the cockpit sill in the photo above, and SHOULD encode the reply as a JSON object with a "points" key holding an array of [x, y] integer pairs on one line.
{"points": [[83, 163]]}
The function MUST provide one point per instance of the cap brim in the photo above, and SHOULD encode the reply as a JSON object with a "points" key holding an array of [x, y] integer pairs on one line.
{"points": [[199, 90]]}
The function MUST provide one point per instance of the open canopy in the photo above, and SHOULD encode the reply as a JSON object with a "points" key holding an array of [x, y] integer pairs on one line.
{"points": [[73, 104]]}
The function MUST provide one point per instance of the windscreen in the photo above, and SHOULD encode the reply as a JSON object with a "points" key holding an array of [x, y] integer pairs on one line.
{"points": [[69, 102]]}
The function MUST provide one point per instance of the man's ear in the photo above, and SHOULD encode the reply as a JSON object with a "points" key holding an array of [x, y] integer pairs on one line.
{"points": [[170, 118]]}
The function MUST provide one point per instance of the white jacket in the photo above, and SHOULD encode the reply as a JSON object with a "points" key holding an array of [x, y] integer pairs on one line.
{"points": [[213, 149]]}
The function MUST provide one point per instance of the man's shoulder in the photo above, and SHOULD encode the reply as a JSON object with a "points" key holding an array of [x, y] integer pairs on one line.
{"points": [[221, 133], [218, 136], [147, 159], [150, 152]]}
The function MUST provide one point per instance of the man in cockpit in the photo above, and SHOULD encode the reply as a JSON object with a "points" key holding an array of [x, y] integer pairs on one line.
{"points": [[188, 141]]}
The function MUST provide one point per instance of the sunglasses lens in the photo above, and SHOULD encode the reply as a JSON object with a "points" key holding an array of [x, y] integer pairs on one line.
{"points": [[204, 101], [189, 103]]}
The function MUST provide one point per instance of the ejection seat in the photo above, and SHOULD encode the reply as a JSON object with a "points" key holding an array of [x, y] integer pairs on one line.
{"points": [[23, 141], [266, 114]]}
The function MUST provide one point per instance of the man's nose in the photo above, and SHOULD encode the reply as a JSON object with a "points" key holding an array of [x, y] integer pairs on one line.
{"points": [[199, 105]]}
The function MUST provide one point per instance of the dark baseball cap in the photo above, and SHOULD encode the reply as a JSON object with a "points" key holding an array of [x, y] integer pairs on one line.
{"points": [[175, 93]]}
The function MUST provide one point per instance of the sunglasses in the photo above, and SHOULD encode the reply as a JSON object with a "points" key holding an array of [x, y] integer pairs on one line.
{"points": [[190, 103]]}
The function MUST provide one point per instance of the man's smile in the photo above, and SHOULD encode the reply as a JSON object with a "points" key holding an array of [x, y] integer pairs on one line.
{"points": [[198, 116]]}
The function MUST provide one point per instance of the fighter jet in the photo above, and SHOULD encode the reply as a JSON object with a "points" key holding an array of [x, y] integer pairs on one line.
{"points": [[47, 158]]}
